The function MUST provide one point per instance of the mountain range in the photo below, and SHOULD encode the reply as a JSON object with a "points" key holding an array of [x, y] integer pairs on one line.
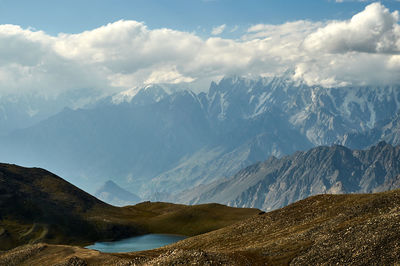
{"points": [[159, 141], [276, 183], [22, 110]]}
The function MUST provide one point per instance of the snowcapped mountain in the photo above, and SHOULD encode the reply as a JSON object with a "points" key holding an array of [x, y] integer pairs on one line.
{"points": [[254, 119], [145, 95], [160, 140], [321, 114]]}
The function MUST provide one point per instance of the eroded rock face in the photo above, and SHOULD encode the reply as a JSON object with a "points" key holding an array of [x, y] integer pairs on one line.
{"points": [[387, 130], [276, 182]]}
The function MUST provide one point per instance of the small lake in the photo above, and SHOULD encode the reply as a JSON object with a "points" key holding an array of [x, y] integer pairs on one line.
{"points": [[137, 243]]}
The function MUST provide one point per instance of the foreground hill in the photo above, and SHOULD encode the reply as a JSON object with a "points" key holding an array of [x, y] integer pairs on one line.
{"points": [[275, 183], [38, 206], [358, 229]]}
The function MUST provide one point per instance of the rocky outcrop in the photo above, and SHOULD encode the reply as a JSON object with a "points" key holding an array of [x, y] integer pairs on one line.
{"points": [[276, 182]]}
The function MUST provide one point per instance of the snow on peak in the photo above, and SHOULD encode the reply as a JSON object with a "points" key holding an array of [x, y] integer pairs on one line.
{"points": [[125, 96], [155, 91]]}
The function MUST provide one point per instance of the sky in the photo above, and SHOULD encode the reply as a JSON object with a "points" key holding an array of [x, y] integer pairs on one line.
{"points": [[75, 16], [49, 46]]}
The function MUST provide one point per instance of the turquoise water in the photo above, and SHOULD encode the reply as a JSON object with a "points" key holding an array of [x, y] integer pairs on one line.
{"points": [[136, 243]]}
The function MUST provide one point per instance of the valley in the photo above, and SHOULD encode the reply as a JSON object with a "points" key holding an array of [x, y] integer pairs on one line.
{"points": [[38, 206], [353, 229], [210, 170], [202, 132]]}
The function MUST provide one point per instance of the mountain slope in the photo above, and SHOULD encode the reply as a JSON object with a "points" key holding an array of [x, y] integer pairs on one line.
{"points": [[156, 142], [278, 182], [331, 229], [232, 153], [386, 130], [38, 206], [23, 110], [357, 229], [128, 141]]}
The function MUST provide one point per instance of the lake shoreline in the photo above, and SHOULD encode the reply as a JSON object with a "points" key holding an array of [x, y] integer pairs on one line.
{"points": [[136, 243]]}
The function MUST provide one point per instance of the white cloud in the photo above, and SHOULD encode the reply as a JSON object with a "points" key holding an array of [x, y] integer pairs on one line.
{"points": [[28, 62], [374, 30], [362, 50], [218, 30], [126, 54]]}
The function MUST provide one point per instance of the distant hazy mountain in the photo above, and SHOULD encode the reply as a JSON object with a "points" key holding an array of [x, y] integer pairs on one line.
{"points": [[25, 110], [387, 130], [132, 142], [278, 182], [160, 140], [115, 195]]}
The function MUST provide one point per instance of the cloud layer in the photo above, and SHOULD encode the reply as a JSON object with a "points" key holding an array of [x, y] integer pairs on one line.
{"points": [[375, 30], [125, 54]]}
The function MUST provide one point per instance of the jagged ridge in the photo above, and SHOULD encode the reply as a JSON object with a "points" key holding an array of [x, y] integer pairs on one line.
{"points": [[278, 182]]}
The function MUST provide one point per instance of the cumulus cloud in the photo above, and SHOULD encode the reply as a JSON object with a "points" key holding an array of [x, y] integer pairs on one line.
{"points": [[360, 51], [28, 62], [374, 30], [125, 54]]}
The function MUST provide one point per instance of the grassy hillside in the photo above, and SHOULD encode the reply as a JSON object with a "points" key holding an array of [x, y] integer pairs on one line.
{"points": [[185, 220], [38, 206], [362, 229]]}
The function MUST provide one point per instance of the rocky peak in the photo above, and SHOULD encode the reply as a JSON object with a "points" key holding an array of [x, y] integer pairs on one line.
{"points": [[335, 169]]}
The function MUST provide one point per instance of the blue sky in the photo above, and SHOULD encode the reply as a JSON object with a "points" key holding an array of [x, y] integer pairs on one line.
{"points": [[74, 16]]}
